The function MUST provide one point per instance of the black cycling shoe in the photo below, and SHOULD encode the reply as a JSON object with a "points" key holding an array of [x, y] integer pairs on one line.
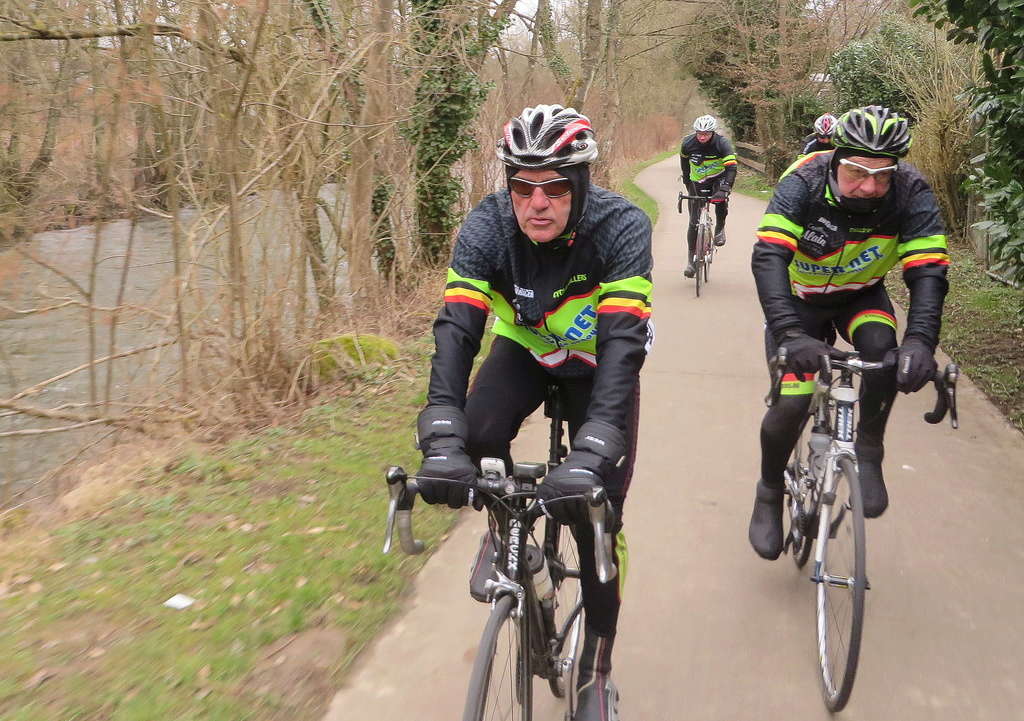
{"points": [[597, 699], [872, 483], [765, 532], [720, 238], [690, 270]]}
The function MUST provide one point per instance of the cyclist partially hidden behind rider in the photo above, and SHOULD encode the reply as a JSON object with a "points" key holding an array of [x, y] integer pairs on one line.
{"points": [[566, 268], [821, 138], [835, 226], [709, 168]]}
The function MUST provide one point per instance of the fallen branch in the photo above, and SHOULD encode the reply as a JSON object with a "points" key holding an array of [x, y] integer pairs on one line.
{"points": [[42, 384], [137, 30]]}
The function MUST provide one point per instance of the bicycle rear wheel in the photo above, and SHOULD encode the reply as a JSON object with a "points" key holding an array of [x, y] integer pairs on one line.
{"points": [[501, 685], [841, 582], [568, 612]]}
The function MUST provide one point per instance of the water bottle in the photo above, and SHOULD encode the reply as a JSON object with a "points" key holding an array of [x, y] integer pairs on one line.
{"points": [[542, 585], [818, 447], [541, 576]]}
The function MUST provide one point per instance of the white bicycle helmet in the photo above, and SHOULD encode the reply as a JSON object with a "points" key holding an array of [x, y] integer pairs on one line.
{"points": [[705, 124], [825, 125], [547, 136]]}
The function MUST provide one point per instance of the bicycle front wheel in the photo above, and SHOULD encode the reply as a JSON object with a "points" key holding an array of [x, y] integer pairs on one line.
{"points": [[567, 612], [801, 500], [501, 685], [841, 582]]}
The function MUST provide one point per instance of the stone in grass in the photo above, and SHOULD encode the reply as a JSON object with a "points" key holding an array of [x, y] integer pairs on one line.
{"points": [[330, 355]]}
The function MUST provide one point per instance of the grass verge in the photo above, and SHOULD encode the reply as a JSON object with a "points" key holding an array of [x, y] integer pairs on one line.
{"points": [[982, 330], [628, 187], [277, 538], [750, 182]]}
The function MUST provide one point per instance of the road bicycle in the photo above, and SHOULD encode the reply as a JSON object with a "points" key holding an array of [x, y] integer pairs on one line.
{"points": [[823, 498], [704, 247], [536, 620]]}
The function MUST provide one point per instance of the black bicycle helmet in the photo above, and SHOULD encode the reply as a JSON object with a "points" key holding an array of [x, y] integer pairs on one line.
{"points": [[873, 130]]}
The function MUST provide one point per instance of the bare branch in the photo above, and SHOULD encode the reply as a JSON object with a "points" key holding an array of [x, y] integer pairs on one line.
{"points": [[137, 30]]}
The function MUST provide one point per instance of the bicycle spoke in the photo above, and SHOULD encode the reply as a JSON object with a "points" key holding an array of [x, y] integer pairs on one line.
{"points": [[840, 591]]}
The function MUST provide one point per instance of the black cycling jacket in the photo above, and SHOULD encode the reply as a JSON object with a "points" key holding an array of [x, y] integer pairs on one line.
{"points": [[580, 306], [810, 250], [702, 162], [811, 144]]}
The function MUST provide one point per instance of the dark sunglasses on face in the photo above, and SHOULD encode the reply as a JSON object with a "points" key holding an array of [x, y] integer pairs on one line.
{"points": [[554, 188]]}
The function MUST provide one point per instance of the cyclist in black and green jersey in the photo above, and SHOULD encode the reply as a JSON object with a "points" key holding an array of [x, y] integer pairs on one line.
{"points": [[565, 266], [837, 223], [708, 163]]}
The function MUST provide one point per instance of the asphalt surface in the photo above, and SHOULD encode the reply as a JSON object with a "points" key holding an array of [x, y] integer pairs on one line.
{"points": [[708, 630]]}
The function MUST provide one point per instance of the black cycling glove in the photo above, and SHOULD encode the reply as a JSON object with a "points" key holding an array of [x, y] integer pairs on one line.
{"points": [[915, 365], [722, 194], [803, 353], [597, 449], [442, 431]]}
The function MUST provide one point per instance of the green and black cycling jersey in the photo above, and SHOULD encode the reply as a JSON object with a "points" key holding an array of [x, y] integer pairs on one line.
{"points": [[811, 249], [704, 162], [811, 144], [580, 305]]}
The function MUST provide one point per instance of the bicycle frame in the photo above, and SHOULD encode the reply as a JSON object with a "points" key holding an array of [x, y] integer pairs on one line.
{"points": [[840, 399]]}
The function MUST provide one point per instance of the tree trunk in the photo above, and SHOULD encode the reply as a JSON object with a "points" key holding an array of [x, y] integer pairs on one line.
{"points": [[544, 28], [362, 179], [590, 58]]}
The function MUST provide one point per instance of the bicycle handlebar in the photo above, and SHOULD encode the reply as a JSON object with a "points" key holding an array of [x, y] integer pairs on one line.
{"points": [[402, 491], [683, 196], [944, 380]]}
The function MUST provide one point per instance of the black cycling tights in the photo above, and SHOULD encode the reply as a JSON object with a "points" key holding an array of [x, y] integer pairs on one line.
{"points": [[780, 428], [509, 387], [721, 211]]}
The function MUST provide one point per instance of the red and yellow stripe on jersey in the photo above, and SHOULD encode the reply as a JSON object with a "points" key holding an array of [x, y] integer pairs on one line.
{"points": [[476, 293]]}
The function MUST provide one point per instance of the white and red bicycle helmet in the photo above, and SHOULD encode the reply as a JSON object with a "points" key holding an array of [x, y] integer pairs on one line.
{"points": [[547, 136], [825, 125]]}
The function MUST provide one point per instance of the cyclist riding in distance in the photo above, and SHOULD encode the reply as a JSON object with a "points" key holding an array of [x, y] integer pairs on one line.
{"points": [[708, 163], [566, 268], [837, 223], [821, 138]]}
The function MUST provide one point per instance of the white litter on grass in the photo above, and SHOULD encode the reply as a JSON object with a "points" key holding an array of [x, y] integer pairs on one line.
{"points": [[179, 601], [908, 468]]}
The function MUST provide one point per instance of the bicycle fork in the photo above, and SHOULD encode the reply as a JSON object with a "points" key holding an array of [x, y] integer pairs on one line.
{"points": [[841, 446]]}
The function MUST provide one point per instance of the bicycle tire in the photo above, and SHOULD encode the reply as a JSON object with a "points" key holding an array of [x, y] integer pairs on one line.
{"points": [[699, 263], [503, 690], [568, 617], [842, 555]]}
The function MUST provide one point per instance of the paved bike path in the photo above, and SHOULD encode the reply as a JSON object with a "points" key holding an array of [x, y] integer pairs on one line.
{"points": [[708, 630]]}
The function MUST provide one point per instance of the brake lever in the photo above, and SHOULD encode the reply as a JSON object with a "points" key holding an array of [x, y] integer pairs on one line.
{"points": [[402, 495], [599, 511], [951, 376]]}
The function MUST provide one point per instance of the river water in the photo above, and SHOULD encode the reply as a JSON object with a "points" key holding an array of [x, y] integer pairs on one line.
{"points": [[37, 346]]}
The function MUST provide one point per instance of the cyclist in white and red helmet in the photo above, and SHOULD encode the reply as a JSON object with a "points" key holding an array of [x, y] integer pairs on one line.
{"points": [[565, 266], [708, 163], [821, 138]]}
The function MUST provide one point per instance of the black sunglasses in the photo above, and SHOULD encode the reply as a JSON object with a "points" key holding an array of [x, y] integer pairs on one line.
{"points": [[554, 188]]}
